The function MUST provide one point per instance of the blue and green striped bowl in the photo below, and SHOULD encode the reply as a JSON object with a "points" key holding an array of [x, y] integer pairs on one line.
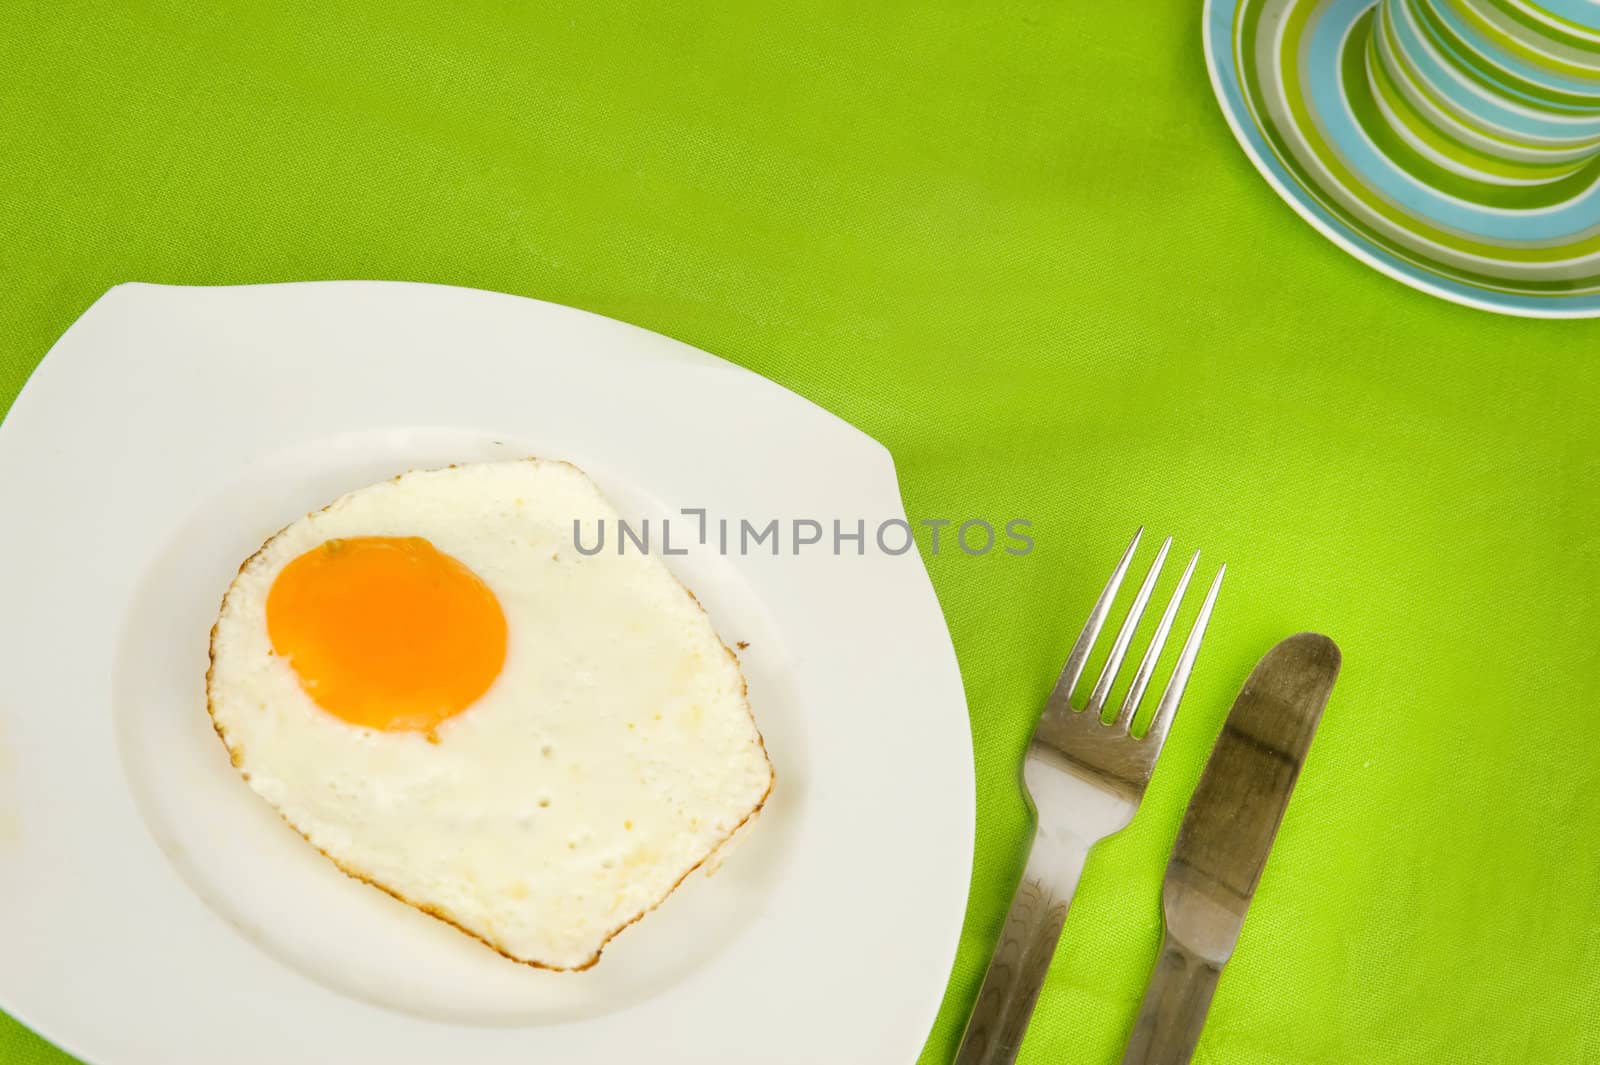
{"points": [[1452, 144]]}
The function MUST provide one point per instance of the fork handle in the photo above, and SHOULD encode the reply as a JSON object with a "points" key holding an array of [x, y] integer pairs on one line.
{"points": [[1174, 1008], [1011, 985]]}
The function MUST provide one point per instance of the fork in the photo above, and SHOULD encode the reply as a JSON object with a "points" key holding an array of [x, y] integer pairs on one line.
{"points": [[1082, 780]]}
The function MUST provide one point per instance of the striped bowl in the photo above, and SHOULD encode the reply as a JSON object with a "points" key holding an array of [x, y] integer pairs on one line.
{"points": [[1453, 144]]}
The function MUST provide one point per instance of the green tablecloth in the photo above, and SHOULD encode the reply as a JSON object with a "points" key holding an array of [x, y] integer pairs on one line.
{"points": [[1016, 243]]}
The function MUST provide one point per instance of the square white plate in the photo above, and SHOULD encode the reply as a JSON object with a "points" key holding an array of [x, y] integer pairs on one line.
{"points": [[155, 912]]}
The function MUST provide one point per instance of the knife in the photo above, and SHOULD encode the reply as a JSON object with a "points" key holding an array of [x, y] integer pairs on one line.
{"points": [[1226, 835]]}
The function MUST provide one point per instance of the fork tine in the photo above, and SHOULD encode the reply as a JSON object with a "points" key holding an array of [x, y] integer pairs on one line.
{"points": [[1119, 646], [1180, 675], [1091, 629], [1147, 664]]}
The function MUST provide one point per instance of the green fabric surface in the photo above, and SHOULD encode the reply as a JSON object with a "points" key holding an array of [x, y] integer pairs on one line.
{"points": [[1015, 242]]}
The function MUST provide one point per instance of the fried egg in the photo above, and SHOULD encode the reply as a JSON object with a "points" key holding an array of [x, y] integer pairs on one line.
{"points": [[441, 694]]}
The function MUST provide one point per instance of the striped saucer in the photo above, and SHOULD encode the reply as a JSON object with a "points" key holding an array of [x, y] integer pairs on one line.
{"points": [[1452, 144]]}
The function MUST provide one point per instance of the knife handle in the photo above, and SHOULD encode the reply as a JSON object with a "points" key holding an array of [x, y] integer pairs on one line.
{"points": [[1174, 1009]]}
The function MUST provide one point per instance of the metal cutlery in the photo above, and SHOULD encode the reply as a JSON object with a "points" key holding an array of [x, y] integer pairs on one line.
{"points": [[1083, 780], [1227, 832]]}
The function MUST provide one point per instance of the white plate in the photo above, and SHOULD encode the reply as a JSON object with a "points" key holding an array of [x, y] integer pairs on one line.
{"points": [[155, 912]]}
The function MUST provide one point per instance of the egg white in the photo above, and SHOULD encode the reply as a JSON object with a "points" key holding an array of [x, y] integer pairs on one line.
{"points": [[613, 754]]}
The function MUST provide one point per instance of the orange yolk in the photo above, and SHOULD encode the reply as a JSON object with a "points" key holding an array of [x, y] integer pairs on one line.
{"points": [[387, 632]]}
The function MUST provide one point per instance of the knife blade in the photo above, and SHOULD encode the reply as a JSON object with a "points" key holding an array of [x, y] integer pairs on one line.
{"points": [[1227, 833]]}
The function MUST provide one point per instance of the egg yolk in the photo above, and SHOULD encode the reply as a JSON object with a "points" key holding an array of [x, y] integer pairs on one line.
{"points": [[388, 632]]}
